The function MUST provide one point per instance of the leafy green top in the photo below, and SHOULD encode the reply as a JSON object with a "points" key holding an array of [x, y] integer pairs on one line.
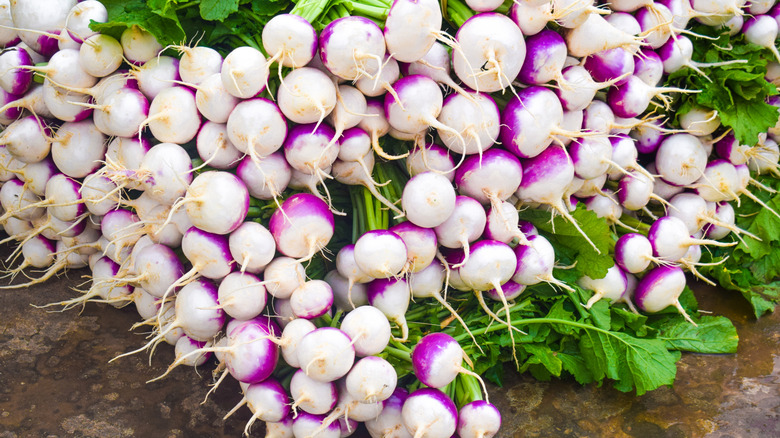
{"points": [[737, 91]]}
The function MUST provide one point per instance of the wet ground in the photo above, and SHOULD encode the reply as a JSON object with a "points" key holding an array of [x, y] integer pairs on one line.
{"points": [[55, 381]]}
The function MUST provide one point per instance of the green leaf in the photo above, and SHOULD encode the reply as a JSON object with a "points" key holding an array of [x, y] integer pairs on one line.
{"points": [[736, 91], [714, 334], [218, 10], [570, 246], [577, 367], [122, 14], [600, 314], [545, 356], [645, 364]]}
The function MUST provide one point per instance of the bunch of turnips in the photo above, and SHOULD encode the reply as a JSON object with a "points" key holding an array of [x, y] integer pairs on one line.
{"points": [[361, 210]]}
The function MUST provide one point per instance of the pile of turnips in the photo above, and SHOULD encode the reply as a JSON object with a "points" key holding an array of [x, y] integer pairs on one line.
{"points": [[207, 188]]}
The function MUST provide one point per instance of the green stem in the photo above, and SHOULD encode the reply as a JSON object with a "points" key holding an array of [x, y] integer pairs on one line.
{"points": [[310, 10], [635, 223], [400, 354], [459, 12], [577, 304], [186, 5], [376, 12], [369, 209], [529, 321], [248, 41], [254, 212], [336, 318]]}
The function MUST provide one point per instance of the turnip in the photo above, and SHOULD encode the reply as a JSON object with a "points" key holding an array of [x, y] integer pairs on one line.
{"points": [[139, 46], [372, 379], [123, 113], [381, 82], [40, 22], [198, 63], [635, 190], [244, 72], [535, 263], [290, 40], [268, 401], [352, 47], [489, 265], [418, 104], [282, 276], [762, 30], [308, 149], [214, 147], [502, 224], [478, 419], [291, 336], [8, 35], [156, 74], [18, 202], [306, 424], [100, 55], [302, 226], [436, 65], [592, 156], [251, 353], [376, 125], [380, 253], [595, 34], [544, 58], [697, 213], [241, 295], [391, 296], [388, 423], [530, 121], [368, 328], [661, 288], [465, 225], [670, 239], [545, 178], [265, 178], [429, 412], [326, 354], [28, 139], [430, 157], [63, 198], [306, 96], [157, 268], [78, 148], [346, 296], [213, 100], [256, 127], [428, 199], [411, 28], [185, 345], [312, 396], [197, 314], [173, 115], [612, 286], [38, 252], [677, 53], [634, 96], [476, 120], [359, 173], [312, 299], [681, 159], [252, 247], [492, 50], [15, 78]]}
